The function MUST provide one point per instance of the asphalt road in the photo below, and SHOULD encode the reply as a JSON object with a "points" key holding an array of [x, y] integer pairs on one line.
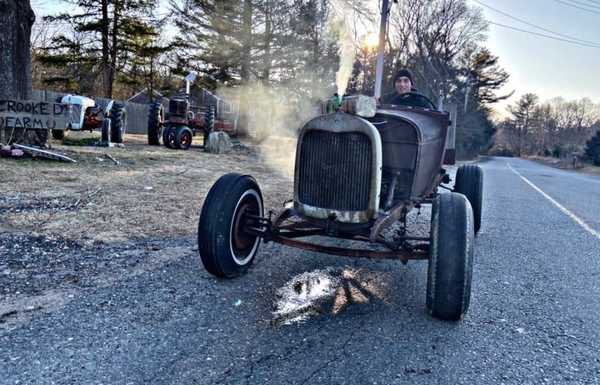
{"points": [[147, 313]]}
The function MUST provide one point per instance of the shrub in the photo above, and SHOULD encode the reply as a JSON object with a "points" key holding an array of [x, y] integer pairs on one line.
{"points": [[592, 149]]}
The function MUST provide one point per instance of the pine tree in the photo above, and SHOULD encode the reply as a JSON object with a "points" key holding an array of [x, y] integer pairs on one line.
{"points": [[105, 39]]}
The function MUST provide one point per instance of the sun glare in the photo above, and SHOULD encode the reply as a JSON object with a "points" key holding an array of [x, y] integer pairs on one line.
{"points": [[371, 41]]}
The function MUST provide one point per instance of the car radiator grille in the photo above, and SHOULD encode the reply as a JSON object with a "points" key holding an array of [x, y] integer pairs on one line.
{"points": [[335, 170]]}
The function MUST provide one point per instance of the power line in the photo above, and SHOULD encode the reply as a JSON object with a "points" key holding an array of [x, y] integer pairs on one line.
{"points": [[544, 35], [537, 26], [577, 6], [592, 5]]}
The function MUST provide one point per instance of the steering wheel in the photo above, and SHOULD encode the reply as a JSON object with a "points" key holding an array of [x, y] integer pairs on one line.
{"points": [[423, 97]]}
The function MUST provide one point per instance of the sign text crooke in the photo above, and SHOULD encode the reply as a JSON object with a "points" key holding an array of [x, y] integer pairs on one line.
{"points": [[32, 115]]}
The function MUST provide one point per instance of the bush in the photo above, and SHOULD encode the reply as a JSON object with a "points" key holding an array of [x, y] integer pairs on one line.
{"points": [[501, 151], [592, 149]]}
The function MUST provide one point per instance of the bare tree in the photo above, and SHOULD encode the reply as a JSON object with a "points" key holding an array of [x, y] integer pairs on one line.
{"points": [[431, 36]]}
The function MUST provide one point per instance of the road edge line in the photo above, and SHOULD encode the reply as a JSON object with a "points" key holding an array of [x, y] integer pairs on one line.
{"points": [[574, 217]]}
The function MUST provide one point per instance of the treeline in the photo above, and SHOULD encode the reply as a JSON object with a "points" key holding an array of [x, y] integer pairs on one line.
{"points": [[114, 48], [107, 48], [557, 128]]}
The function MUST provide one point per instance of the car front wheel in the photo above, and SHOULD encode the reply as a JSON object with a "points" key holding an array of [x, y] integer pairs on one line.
{"points": [[226, 248]]}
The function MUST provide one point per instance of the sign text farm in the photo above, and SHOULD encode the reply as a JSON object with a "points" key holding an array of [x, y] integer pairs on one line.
{"points": [[27, 114]]}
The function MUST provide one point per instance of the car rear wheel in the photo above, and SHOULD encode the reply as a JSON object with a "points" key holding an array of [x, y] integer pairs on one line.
{"points": [[451, 257], [469, 182], [225, 248]]}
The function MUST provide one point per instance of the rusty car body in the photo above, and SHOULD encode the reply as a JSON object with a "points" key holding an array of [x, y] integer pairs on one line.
{"points": [[357, 178]]}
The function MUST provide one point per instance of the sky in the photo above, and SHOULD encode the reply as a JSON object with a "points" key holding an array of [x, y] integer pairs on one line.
{"points": [[546, 67]]}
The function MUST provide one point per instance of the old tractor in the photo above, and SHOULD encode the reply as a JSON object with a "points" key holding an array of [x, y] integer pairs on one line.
{"points": [[180, 124], [87, 114], [360, 170], [183, 121]]}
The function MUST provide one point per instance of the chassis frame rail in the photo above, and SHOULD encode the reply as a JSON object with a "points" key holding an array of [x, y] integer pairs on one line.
{"points": [[279, 231]]}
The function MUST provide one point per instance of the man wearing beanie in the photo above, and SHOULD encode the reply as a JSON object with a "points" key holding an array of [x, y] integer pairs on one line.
{"points": [[404, 90]]}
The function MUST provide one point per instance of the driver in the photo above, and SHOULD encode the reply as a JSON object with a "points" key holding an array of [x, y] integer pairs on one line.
{"points": [[405, 94]]}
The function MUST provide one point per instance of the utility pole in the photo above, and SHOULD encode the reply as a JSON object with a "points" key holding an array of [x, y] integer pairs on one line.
{"points": [[385, 11]]}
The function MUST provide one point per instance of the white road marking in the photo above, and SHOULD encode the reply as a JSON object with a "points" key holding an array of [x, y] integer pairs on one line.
{"points": [[574, 217]]}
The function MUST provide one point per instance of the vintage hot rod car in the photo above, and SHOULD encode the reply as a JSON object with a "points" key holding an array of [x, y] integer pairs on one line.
{"points": [[357, 178]]}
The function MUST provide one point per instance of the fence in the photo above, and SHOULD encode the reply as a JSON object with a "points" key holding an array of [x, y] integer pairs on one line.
{"points": [[137, 114]]}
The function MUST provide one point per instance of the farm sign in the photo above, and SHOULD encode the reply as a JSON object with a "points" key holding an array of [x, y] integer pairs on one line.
{"points": [[15, 114]]}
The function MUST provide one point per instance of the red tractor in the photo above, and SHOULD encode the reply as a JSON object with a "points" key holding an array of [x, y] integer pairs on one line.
{"points": [[183, 122]]}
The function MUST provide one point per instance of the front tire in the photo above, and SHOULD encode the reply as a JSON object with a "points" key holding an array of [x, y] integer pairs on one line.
{"points": [[156, 118], [169, 137], [58, 134], [118, 123], [225, 249], [451, 257], [469, 182]]}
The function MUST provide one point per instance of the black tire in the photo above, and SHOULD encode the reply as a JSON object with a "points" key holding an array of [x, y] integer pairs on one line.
{"points": [[105, 131], [224, 249], [156, 119], [118, 123], [58, 134], [183, 138], [469, 182], [169, 137], [451, 257]]}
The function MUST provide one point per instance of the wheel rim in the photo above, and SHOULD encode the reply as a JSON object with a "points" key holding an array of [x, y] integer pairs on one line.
{"points": [[243, 246], [186, 139], [171, 136]]}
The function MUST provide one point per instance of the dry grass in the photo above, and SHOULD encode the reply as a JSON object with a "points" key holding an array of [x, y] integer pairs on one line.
{"points": [[153, 192], [566, 164]]}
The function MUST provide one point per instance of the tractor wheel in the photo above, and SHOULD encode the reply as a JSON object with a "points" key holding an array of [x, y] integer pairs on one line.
{"points": [[58, 134], [451, 257], [156, 118], [105, 131], [226, 250], [183, 138], [168, 136], [118, 123], [469, 182]]}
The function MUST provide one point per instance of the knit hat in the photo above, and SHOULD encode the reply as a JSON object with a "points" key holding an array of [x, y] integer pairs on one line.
{"points": [[406, 73]]}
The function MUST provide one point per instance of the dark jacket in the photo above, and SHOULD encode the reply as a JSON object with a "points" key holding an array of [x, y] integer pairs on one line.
{"points": [[410, 99]]}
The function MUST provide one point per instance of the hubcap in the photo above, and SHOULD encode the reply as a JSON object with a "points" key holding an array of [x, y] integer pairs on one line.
{"points": [[244, 245]]}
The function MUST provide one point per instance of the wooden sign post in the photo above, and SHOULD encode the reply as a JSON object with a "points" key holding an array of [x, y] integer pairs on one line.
{"points": [[21, 115]]}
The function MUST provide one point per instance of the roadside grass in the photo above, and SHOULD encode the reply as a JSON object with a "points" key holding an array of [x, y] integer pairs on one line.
{"points": [[152, 191], [566, 164]]}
